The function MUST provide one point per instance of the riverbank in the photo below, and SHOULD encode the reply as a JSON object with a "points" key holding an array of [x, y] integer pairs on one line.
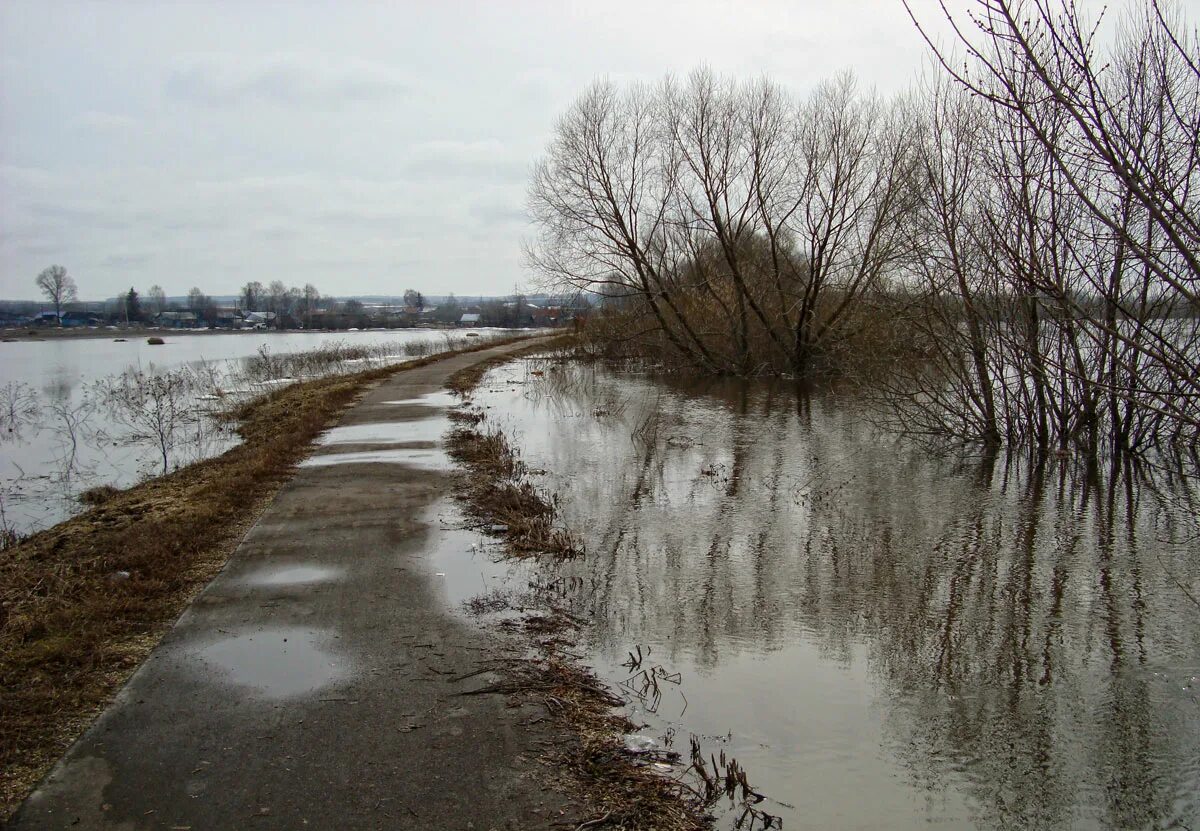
{"points": [[622, 788], [84, 602], [137, 332], [111, 332]]}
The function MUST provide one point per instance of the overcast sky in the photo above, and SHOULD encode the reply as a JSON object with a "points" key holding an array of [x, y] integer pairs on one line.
{"points": [[363, 147]]}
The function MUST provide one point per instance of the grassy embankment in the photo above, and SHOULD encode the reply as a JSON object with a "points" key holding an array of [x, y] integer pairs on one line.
{"points": [[619, 789], [84, 602]]}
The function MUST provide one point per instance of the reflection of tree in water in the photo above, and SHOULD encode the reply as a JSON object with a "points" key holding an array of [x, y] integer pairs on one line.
{"points": [[1014, 614], [19, 408]]}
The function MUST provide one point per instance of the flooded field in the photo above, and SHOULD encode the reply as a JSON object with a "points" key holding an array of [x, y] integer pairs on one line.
{"points": [[62, 435], [881, 635]]}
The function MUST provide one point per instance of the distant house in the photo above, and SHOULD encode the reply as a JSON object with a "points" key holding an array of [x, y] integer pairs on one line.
{"points": [[75, 319], [226, 318], [14, 319], [548, 315], [469, 319], [177, 320], [260, 320]]}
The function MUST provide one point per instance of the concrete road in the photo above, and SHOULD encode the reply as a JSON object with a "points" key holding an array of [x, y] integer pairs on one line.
{"points": [[309, 685]]}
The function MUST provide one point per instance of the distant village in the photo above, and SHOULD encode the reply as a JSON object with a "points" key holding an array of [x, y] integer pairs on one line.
{"points": [[324, 313]]}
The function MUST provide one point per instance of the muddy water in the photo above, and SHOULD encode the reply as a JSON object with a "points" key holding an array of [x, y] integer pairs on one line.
{"points": [[883, 636]]}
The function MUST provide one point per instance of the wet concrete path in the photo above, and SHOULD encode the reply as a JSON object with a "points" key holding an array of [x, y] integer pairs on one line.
{"points": [[310, 684]]}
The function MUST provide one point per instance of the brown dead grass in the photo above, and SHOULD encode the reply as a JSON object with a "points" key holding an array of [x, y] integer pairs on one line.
{"points": [[497, 496], [73, 626], [612, 786], [98, 495]]}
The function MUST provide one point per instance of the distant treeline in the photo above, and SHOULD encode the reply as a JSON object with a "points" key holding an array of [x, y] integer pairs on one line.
{"points": [[276, 306], [1008, 253]]}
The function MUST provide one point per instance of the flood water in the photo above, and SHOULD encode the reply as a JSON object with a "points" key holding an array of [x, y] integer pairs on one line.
{"points": [[883, 636], [67, 443]]}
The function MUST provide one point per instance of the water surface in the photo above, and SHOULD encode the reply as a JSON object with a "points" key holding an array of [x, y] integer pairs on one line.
{"points": [[69, 443], [883, 636]]}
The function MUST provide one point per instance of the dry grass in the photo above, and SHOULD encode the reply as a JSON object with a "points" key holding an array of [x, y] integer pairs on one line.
{"points": [[617, 789], [465, 380], [498, 497], [84, 602], [98, 495]]}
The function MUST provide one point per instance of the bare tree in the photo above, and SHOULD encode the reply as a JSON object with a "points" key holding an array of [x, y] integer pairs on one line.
{"points": [[1008, 254], [309, 299], [19, 405], [414, 299], [156, 300], [745, 224], [58, 286], [1109, 176], [156, 408], [857, 190], [70, 420], [280, 301], [201, 305], [603, 199], [952, 319], [252, 296]]}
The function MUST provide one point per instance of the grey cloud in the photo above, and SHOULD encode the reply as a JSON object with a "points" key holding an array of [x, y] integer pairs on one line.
{"points": [[354, 145], [105, 122], [362, 216], [211, 221], [284, 81], [489, 160], [78, 215], [279, 233], [499, 214], [125, 260], [39, 249], [492, 171]]}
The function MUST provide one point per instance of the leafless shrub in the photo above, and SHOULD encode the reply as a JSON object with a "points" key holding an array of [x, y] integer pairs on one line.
{"points": [[69, 420], [10, 537], [19, 405], [1057, 249], [156, 408], [338, 358]]}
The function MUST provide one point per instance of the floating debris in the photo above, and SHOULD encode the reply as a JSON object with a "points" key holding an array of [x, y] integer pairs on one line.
{"points": [[638, 743]]}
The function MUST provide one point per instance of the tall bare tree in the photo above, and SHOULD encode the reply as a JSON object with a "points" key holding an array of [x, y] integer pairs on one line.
{"points": [[58, 286], [156, 300], [603, 199], [309, 298], [252, 296]]}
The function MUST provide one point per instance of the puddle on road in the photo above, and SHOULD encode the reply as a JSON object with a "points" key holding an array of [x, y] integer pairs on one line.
{"points": [[424, 430], [881, 636], [290, 575], [419, 458], [414, 443], [439, 400], [466, 563], [283, 662]]}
